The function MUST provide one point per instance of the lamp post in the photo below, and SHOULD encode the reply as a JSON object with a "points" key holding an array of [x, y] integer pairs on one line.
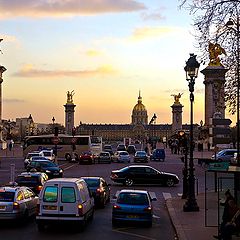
{"points": [[53, 120], [191, 70], [233, 24]]}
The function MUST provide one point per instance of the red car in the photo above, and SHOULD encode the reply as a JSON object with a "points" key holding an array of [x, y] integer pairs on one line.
{"points": [[86, 157]]}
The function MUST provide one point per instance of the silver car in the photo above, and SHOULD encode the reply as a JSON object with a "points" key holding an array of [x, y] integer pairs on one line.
{"points": [[17, 202], [225, 155], [121, 156]]}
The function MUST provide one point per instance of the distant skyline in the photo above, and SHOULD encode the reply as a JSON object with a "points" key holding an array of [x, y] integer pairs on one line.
{"points": [[104, 50]]}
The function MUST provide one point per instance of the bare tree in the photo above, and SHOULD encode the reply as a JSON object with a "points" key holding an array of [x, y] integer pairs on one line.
{"points": [[211, 21]]}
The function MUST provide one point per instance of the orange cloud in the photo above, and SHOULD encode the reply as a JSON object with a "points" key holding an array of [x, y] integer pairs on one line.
{"points": [[60, 8], [28, 71]]}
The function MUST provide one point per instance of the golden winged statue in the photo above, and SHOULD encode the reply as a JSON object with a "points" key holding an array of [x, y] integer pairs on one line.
{"points": [[215, 50], [70, 96], [177, 97]]}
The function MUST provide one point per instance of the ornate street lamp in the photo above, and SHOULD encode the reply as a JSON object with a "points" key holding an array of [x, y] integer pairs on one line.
{"points": [[191, 70], [233, 24]]}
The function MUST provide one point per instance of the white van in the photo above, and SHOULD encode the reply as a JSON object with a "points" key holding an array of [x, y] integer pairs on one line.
{"points": [[65, 199]]}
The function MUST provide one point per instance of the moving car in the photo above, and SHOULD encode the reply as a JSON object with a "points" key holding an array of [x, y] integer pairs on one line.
{"points": [[48, 153], [142, 174], [17, 202], [86, 157], [224, 155], [34, 180], [140, 156], [158, 155], [50, 168], [30, 155], [65, 199], [133, 206], [99, 189], [104, 157], [121, 156]]}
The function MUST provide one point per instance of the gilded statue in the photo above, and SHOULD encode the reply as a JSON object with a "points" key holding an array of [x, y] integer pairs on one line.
{"points": [[215, 50], [70, 96], [177, 97]]}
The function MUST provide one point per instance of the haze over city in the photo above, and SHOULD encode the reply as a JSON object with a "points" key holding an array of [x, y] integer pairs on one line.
{"points": [[106, 51]]}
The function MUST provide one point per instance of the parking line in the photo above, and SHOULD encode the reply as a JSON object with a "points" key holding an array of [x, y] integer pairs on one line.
{"points": [[133, 234], [69, 167], [167, 195]]}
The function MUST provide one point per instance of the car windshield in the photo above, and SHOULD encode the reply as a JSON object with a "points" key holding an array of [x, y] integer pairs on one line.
{"points": [[133, 198], [124, 169], [27, 179], [6, 196], [123, 153], [91, 182], [140, 153], [48, 164]]}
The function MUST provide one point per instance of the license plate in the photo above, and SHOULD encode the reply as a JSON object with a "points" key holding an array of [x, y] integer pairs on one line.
{"points": [[55, 173], [2, 208], [50, 207], [132, 216]]}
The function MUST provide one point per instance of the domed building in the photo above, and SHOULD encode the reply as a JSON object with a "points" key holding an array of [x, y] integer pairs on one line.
{"points": [[139, 113]]}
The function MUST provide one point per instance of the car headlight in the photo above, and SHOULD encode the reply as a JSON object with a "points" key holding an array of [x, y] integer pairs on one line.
{"points": [[47, 171], [60, 170]]}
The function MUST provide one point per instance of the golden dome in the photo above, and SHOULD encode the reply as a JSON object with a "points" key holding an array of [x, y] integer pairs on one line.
{"points": [[139, 107]]}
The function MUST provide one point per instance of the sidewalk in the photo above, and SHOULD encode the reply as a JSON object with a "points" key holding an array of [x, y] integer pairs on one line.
{"points": [[189, 225]]}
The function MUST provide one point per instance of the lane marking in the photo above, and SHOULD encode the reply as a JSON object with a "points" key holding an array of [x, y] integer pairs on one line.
{"points": [[133, 234], [167, 195], [69, 167]]}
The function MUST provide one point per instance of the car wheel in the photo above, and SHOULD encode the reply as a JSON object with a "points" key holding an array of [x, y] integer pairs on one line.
{"points": [[114, 222], [170, 182], [128, 182], [92, 215]]}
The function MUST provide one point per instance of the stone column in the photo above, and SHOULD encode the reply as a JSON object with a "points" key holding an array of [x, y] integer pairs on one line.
{"points": [[176, 116], [214, 79], [69, 117]]}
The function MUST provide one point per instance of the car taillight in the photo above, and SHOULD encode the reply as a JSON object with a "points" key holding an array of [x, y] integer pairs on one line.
{"points": [[115, 206], [39, 188], [148, 209], [99, 190], [80, 209], [16, 206], [114, 175]]}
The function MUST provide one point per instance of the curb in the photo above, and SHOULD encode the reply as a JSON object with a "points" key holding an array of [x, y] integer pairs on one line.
{"points": [[175, 222]]}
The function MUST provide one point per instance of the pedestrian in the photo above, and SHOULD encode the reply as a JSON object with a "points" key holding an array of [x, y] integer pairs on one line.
{"points": [[10, 146], [233, 225]]}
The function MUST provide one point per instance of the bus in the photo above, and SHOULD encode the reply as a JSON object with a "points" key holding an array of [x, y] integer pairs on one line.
{"points": [[63, 145], [96, 145]]}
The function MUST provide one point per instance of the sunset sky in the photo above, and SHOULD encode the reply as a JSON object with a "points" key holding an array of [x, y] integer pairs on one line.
{"points": [[104, 50]]}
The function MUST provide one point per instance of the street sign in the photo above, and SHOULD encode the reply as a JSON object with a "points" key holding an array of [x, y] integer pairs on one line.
{"points": [[217, 121], [221, 131], [55, 140]]}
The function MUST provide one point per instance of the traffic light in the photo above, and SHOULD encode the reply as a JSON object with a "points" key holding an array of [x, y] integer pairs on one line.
{"points": [[56, 131]]}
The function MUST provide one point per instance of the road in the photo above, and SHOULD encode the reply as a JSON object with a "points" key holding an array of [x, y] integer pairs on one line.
{"points": [[101, 225]]}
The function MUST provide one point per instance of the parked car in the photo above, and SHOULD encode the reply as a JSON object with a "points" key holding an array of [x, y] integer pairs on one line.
{"points": [[104, 157], [30, 155], [48, 153], [33, 180], [17, 202], [50, 168], [158, 155], [86, 157], [140, 156], [224, 155], [133, 206], [121, 147], [142, 174], [99, 189], [121, 156], [65, 199], [108, 148], [131, 149]]}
